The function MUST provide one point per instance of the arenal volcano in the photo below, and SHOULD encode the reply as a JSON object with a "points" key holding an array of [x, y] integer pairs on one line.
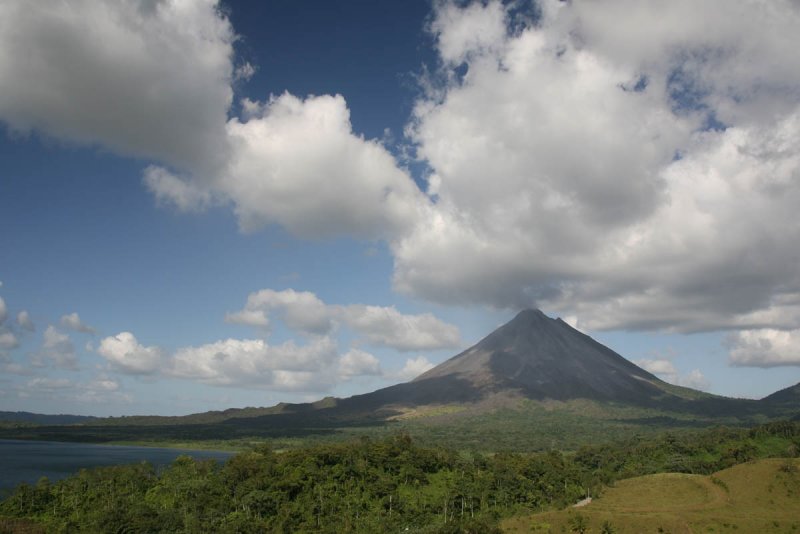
{"points": [[535, 357], [546, 358]]}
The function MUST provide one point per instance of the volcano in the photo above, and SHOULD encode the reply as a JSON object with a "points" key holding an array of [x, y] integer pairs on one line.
{"points": [[535, 357], [544, 358]]}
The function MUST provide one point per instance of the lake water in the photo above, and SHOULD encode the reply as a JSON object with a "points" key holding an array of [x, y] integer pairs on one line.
{"points": [[27, 461]]}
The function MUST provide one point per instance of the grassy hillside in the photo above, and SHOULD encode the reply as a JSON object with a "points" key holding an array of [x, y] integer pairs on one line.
{"points": [[759, 496]]}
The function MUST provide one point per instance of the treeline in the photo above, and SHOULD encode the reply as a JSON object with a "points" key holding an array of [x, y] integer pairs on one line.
{"points": [[368, 485]]}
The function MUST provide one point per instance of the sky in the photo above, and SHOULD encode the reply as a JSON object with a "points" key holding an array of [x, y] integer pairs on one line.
{"points": [[213, 204]]}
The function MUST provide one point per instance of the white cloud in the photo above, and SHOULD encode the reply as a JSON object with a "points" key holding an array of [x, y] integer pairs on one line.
{"points": [[125, 354], [414, 367], [244, 71], [464, 32], [254, 363], [57, 349], [764, 348], [385, 326], [658, 366], [25, 322], [359, 363], [171, 189], [298, 163], [627, 163], [694, 379], [65, 69], [667, 371], [3, 311], [104, 383], [574, 169], [102, 389], [8, 340], [73, 322], [300, 310], [248, 318]]}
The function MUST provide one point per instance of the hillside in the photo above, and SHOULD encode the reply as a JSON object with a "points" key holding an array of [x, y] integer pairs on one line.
{"points": [[788, 396], [43, 419], [759, 496]]}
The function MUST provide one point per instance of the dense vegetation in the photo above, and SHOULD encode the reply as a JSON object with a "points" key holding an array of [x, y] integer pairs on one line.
{"points": [[515, 425], [370, 485]]}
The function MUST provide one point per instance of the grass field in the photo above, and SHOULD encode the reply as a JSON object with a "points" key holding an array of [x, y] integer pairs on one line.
{"points": [[756, 497]]}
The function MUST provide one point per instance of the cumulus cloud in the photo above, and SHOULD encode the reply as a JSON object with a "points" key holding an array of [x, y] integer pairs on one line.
{"points": [[79, 70], [8, 340], [57, 349], [657, 366], [414, 367], [180, 192], [385, 326], [296, 162], [359, 363], [3, 311], [73, 322], [631, 164], [764, 348], [315, 366], [255, 363], [463, 32], [125, 354], [248, 318], [667, 371], [64, 69], [694, 379], [25, 322], [300, 310]]}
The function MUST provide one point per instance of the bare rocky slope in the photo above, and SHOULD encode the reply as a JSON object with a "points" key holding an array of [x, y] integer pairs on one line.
{"points": [[536, 357]]}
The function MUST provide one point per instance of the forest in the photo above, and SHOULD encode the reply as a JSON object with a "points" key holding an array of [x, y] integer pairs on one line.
{"points": [[369, 485]]}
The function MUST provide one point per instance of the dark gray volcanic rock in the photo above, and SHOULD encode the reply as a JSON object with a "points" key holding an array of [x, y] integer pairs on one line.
{"points": [[532, 356], [545, 358]]}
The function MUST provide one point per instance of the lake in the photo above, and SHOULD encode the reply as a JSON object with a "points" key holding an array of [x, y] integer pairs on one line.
{"points": [[27, 461]]}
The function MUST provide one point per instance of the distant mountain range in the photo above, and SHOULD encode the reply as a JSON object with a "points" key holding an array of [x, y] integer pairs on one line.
{"points": [[531, 361], [42, 419]]}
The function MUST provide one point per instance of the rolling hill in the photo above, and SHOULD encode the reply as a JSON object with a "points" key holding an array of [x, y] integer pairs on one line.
{"points": [[758, 496]]}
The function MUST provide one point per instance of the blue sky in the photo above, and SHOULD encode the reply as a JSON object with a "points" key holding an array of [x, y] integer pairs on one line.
{"points": [[214, 205]]}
